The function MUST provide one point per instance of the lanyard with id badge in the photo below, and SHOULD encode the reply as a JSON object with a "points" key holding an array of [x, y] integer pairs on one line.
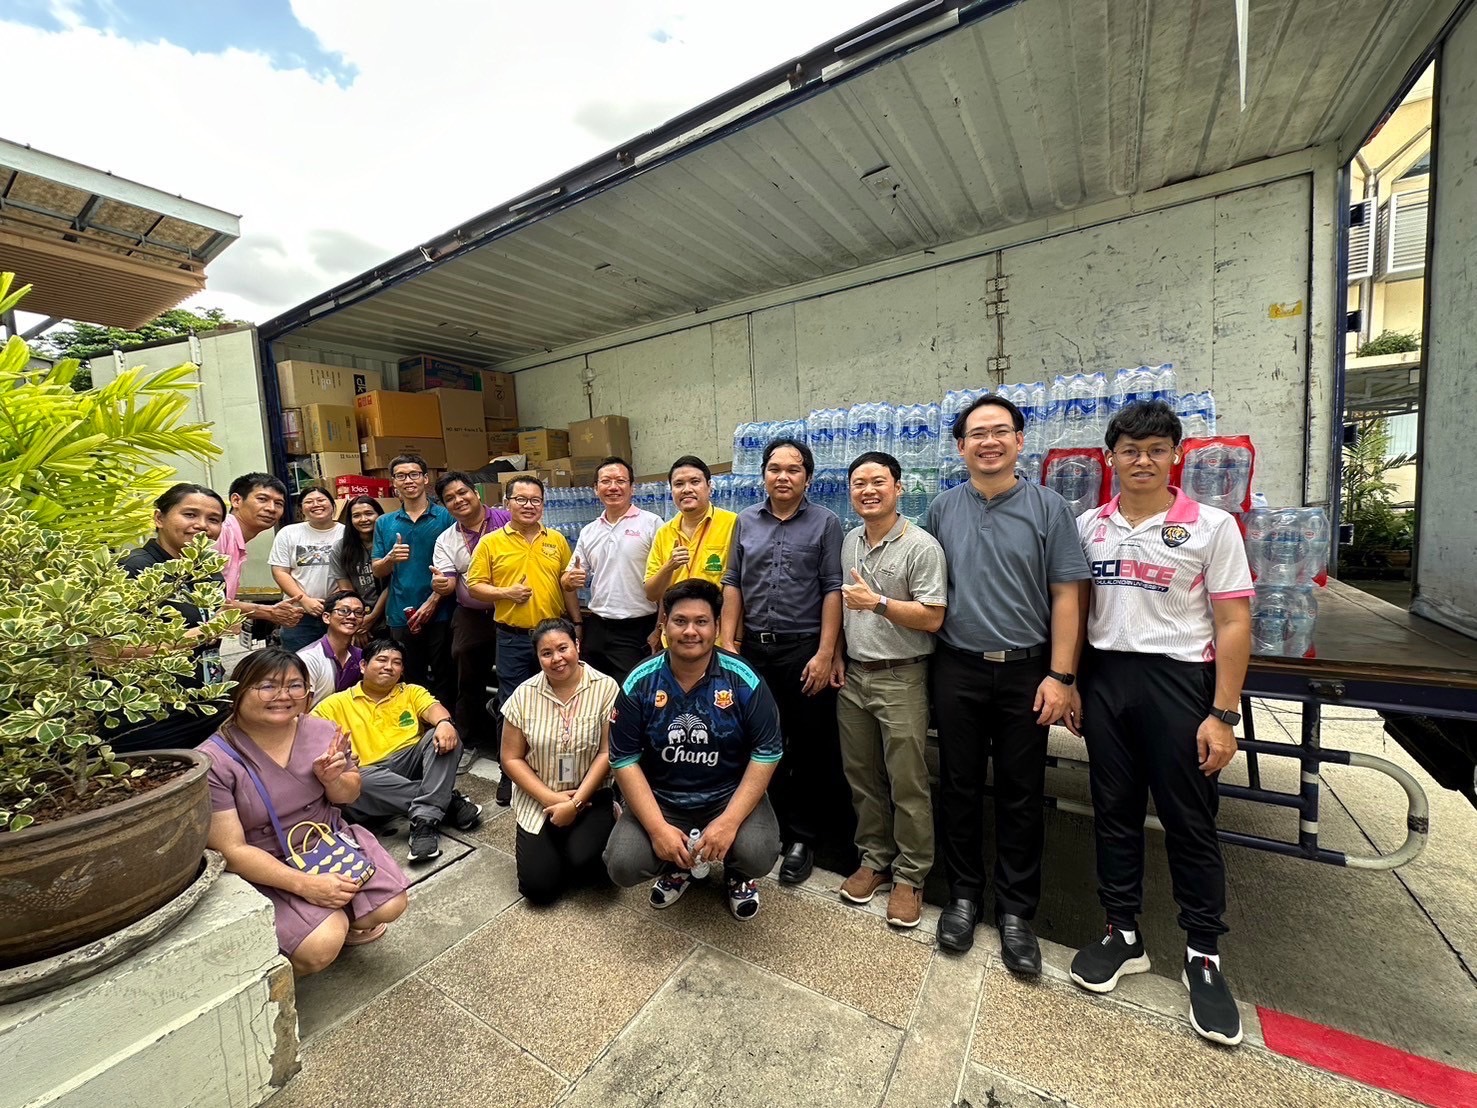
{"points": [[565, 755]]}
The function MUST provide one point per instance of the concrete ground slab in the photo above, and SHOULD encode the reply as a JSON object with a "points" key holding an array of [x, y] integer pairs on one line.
{"points": [[847, 955], [394, 836], [560, 981], [1092, 1052], [723, 1032], [937, 1039], [444, 909], [416, 1049]]}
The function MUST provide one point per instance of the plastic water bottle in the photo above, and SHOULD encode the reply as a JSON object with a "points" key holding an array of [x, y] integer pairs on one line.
{"points": [[1132, 385], [699, 869], [918, 436], [818, 436], [952, 473], [1283, 620], [1207, 409], [1164, 384], [1287, 546], [1219, 475], [1078, 479], [919, 489], [1028, 466]]}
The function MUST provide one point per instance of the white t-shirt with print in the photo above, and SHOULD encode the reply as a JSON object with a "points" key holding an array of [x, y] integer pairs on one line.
{"points": [[307, 553]]}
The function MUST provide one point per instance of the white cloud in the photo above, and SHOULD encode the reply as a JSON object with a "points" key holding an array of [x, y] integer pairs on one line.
{"points": [[457, 105]]}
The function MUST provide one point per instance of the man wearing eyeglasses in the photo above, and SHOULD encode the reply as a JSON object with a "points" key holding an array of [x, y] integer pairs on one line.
{"points": [[1169, 638], [1002, 674], [404, 548], [516, 569], [334, 662], [403, 770]]}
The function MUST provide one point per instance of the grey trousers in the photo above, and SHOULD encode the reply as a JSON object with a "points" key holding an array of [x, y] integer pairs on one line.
{"points": [[414, 780], [630, 860]]}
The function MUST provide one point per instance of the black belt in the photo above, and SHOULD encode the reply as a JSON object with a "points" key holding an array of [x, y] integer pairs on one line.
{"points": [[895, 663], [769, 638], [1018, 655], [510, 629], [651, 618]]}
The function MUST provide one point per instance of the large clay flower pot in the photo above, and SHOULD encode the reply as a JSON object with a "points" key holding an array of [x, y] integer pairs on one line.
{"points": [[73, 880]]}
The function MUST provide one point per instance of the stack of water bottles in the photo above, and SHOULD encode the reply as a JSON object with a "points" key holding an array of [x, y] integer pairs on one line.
{"points": [[1288, 552]]}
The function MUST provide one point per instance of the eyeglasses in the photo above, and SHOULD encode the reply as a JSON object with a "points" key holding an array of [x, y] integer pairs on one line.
{"points": [[347, 613], [271, 690], [526, 501], [990, 434], [418, 476], [1128, 455]]}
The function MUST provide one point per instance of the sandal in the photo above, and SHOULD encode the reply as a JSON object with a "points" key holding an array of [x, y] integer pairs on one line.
{"points": [[359, 938]]}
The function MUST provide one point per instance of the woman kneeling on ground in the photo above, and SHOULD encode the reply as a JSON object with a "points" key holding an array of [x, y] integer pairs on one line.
{"points": [[303, 766], [556, 750]]}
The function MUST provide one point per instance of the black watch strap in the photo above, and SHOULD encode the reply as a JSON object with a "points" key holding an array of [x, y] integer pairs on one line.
{"points": [[1064, 678], [1226, 715]]}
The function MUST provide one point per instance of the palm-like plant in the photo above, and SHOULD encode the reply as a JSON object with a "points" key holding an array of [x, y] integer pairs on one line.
{"points": [[1368, 492]]}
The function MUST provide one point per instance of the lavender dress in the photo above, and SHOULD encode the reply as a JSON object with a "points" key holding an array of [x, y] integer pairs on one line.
{"points": [[297, 795]]}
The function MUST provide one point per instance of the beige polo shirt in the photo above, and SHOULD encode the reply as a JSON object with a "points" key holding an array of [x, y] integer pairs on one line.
{"points": [[908, 564]]}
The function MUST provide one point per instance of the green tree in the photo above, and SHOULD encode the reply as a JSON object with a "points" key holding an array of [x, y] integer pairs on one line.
{"points": [[1368, 493], [88, 340]]}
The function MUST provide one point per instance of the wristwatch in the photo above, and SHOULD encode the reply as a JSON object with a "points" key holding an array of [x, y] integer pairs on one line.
{"points": [[1063, 678], [1225, 715], [881, 606]]}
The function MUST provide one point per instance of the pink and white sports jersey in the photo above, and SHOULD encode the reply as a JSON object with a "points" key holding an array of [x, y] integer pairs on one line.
{"points": [[1152, 584]]}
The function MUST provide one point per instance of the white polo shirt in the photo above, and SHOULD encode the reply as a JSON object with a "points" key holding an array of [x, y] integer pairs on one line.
{"points": [[614, 556], [1152, 584]]}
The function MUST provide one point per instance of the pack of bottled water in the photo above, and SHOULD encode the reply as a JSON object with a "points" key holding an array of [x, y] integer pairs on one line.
{"points": [[1218, 472], [1143, 383], [1283, 620], [830, 489], [1028, 466], [748, 446], [869, 427], [1197, 414], [916, 445], [1075, 474], [722, 496], [920, 486], [1079, 406], [956, 401], [952, 472], [825, 431], [1287, 546]]}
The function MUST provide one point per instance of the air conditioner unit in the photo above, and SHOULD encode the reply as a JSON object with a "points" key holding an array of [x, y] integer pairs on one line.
{"points": [[1402, 235], [1361, 240]]}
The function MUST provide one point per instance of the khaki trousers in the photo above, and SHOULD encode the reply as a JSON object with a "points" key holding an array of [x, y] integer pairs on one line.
{"points": [[883, 718]]}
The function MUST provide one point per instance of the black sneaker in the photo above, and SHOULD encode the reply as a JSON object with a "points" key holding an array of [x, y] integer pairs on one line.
{"points": [[504, 790], [1098, 967], [425, 840], [462, 814], [1213, 1011]]}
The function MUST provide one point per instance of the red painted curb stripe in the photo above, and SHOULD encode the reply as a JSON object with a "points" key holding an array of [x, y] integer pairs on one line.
{"points": [[1373, 1063]]}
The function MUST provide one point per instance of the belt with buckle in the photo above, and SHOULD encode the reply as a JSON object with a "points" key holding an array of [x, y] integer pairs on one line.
{"points": [[769, 638], [895, 663], [1019, 655]]}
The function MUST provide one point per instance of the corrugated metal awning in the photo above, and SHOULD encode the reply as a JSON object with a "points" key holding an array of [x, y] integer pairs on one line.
{"points": [[972, 118]]}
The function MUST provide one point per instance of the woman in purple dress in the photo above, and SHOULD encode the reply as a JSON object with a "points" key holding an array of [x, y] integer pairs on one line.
{"points": [[307, 768]]}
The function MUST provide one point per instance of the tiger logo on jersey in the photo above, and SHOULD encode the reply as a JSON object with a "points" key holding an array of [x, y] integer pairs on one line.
{"points": [[723, 698], [1174, 534]]}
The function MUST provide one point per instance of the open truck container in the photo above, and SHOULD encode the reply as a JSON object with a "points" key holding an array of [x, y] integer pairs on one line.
{"points": [[966, 194]]}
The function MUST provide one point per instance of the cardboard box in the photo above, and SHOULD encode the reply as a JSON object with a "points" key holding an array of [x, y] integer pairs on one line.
{"points": [[329, 428], [491, 493], [466, 449], [499, 395], [320, 469], [304, 383], [493, 424], [356, 484], [382, 414], [601, 437], [292, 432], [388, 503], [503, 479], [541, 444], [375, 451], [459, 412], [426, 371], [501, 442]]}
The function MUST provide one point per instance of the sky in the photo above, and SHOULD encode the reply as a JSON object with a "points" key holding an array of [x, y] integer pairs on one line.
{"points": [[343, 132]]}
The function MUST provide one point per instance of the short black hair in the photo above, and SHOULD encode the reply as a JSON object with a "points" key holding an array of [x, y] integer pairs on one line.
{"points": [[891, 464], [961, 421], [304, 493], [449, 478], [806, 457], [1144, 419], [549, 626], [379, 646], [689, 461], [337, 595], [408, 459], [614, 461], [694, 588], [524, 479], [248, 483]]}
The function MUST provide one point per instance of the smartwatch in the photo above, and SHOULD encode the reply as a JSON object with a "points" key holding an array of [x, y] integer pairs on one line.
{"points": [[1226, 715], [881, 606], [1063, 678]]}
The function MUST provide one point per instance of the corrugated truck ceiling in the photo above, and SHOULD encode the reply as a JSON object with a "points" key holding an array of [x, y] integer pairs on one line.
{"points": [[1036, 108]]}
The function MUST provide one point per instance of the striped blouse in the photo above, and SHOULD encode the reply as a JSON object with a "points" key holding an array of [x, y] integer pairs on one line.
{"points": [[553, 728]]}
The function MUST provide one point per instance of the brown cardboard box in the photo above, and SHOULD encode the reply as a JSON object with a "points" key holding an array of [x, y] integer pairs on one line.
{"points": [[458, 410], [491, 493], [388, 503], [292, 432], [541, 444], [556, 478], [492, 424], [501, 442], [410, 415], [304, 383], [375, 452], [499, 395], [602, 437], [504, 478], [329, 427], [335, 463], [427, 371], [466, 449]]}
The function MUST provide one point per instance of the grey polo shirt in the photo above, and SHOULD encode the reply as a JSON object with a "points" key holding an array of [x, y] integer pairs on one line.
{"points": [[1002, 554], [785, 567], [908, 564]]}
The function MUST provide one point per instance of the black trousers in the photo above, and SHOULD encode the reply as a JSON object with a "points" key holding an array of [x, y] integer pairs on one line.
{"points": [[809, 789], [983, 711], [617, 646], [474, 652], [1140, 713], [428, 659], [559, 859]]}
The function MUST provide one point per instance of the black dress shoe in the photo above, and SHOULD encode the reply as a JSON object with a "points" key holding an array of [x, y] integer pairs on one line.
{"points": [[1019, 949], [956, 925], [504, 791], [797, 865]]}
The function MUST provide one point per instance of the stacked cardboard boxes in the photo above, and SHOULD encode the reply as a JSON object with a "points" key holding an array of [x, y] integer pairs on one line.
{"points": [[318, 418]]}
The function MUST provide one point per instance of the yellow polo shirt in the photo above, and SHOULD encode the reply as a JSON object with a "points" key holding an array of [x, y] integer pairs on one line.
{"points": [[505, 558], [708, 547], [377, 729]]}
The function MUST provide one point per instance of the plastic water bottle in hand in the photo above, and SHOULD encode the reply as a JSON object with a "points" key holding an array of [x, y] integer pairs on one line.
{"points": [[699, 869]]}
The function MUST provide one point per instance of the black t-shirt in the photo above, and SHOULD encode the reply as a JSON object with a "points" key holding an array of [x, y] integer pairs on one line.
{"points": [[178, 729]]}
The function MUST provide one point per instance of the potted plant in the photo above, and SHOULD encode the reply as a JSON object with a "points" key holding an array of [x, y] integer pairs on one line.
{"points": [[1382, 533], [91, 841]]}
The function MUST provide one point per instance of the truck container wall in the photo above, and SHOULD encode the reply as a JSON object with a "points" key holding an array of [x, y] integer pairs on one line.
{"points": [[1446, 558], [1219, 286]]}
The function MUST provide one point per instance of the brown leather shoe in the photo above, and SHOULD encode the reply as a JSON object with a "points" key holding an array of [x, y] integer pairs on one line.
{"points": [[864, 884], [904, 906]]}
